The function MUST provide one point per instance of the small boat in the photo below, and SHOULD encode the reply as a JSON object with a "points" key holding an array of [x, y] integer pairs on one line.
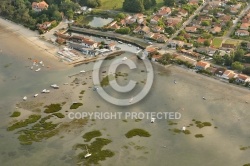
{"points": [[38, 69], [132, 98], [45, 91], [152, 120], [95, 88], [83, 71], [25, 98], [88, 154], [175, 81], [41, 62], [35, 95], [183, 128], [31, 67], [124, 58], [55, 86], [203, 98], [138, 48], [129, 45]]}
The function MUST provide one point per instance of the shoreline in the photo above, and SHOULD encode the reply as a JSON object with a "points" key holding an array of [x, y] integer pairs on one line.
{"points": [[16, 39]]}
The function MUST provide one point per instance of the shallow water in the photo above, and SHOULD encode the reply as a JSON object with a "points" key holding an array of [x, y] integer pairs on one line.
{"points": [[222, 108]]}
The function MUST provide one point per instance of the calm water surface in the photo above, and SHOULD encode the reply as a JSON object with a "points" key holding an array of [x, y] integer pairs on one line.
{"points": [[218, 147]]}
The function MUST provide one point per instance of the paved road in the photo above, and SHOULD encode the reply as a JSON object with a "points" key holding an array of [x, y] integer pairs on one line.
{"points": [[188, 21], [243, 12]]}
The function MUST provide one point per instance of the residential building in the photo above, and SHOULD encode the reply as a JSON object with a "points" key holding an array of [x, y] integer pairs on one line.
{"points": [[228, 74], [142, 30], [156, 57], [227, 45], [244, 26], [39, 6], [241, 33], [241, 78], [175, 43], [191, 29], [219, 72], [201, 65], [216, 29], [154, 20], [157, 29], [164, 11]]}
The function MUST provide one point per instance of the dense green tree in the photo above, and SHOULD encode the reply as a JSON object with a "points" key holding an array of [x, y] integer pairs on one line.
{"points": [[169, 2], [125, 30], [246, 71], [133, 5], [237, 66], [228, 59], [218, 59], [207, 43], [238, 55], [169, 30], [147, 4]]}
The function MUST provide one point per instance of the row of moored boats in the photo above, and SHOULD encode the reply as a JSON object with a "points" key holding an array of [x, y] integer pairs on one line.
{"points": [[54, 86]]}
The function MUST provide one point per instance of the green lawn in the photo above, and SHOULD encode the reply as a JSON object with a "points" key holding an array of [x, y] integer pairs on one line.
{"points": [[117, 4], [217, 42], [231, 41]]}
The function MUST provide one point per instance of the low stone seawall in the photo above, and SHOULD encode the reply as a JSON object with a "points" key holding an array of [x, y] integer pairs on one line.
{"points": [[97, 58]]}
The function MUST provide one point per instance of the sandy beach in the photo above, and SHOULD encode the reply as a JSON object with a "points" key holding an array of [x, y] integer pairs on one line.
{"points": [[21, 42]]}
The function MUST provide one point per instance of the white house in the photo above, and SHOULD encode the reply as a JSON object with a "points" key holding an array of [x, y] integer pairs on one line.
{"points": [[241, 33], [228, 74]]}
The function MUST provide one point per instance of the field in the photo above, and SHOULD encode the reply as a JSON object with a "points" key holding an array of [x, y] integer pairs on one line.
{"points": [[117, 4], [231, 41], [217, 42]]}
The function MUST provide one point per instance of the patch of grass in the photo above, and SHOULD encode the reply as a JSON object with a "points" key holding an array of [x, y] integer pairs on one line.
{"points": [[202, 124], [171, 123], [15, 114], [217, 42], [198, 135], [231, 41], [7, 65], [97, 106], [59, 115], [75, 105], [186, 132], [248, 164], [124, 120], [137, 132], [63, 103], [138, 120], [82, 92], [90, 135], [52, 108], [31, 119], [244, 148], [105, 81], [95, 148]]}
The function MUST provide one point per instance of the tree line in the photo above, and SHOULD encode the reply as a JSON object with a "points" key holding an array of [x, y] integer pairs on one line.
{"points": [[138, 5]]}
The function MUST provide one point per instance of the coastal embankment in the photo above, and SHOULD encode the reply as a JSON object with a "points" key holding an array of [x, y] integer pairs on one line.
{"points": [[128, 39]]}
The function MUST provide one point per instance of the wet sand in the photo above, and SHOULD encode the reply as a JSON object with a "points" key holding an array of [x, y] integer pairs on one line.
{"points": [[20, 42], [224, 107]]}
